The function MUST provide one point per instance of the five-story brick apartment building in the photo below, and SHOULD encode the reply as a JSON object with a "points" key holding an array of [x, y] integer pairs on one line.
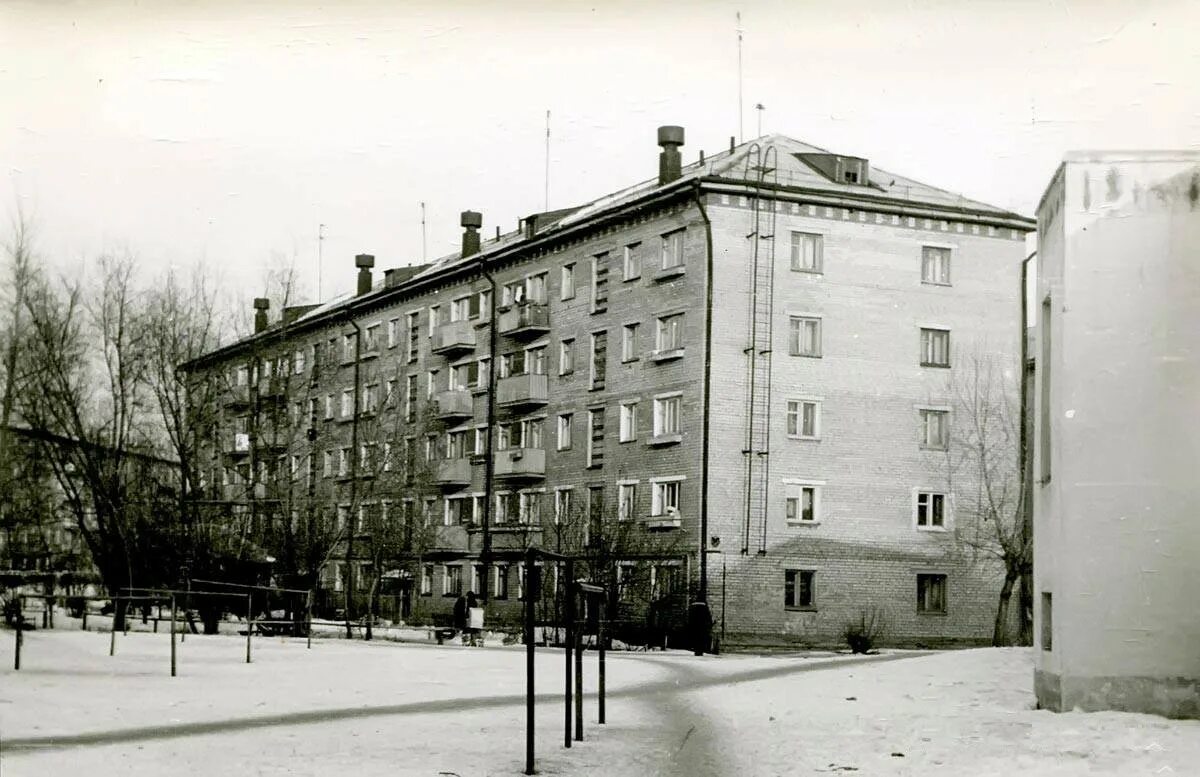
{"points": [[742, 367]]}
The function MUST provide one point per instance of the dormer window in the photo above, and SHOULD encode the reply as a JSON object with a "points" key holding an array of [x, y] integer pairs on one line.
{"points": [[839, 169]]}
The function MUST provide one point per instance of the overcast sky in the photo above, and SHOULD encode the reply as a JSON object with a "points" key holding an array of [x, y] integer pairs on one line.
{"points": [[228, 131]]}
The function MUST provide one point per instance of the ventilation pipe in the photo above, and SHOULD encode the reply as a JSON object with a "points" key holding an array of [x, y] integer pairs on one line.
{"points": [[471, 222], [364, 263], [670, 164], [261, 304]]}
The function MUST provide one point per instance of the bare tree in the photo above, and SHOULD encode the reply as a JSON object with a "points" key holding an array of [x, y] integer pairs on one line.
{"points": [[986, 444]]}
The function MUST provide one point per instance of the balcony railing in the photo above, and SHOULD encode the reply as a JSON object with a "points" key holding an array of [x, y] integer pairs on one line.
{"points": [[237, 396], [273, 388], [453, 337], [239, 445], [454, 404], [525, 318], [522, 390], [520, 464], [453, 473]]}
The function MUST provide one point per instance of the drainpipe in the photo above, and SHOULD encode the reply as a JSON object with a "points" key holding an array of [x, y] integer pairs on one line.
{"points": [[1026, 579], [353, 517], [489, 472], [702, 600]]}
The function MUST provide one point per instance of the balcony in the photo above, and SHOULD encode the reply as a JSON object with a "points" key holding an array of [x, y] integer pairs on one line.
{"points": [[273, 389], [520, 464], [526, 319], [453, 405], [237, 396], [454, 337], [239, 445], [453, 473], [522, 391]]}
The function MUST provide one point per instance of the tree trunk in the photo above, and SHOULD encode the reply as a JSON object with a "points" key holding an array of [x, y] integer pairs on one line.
{"points": [[1000, 631]]}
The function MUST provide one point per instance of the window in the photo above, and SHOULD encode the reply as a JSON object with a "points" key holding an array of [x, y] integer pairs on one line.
{"points": [[535, 288], [595, 441], [626, 500], [348, 342], [564, 431], [370, 398], [664, 497], [427, 580], [631, 263], [666, 415], [931, 510], [599, 359], [242, 375], [458, 511], [457, 444], [512, 293], [567, 282], [935, 265], [414, 335], [600, 283], [804, 418], [566, 356], [452, 580], [431, 384], [476, 574], [410, 399], [371, 338], [595, 524], [464, 377], [389, 392], [347, 402], [327, 464], [802, 503], [628, 429], [807, 252], [501, 586], [331, 354], [672, 250], [508, 506], [931, 593], [530, 507], [1043, 372], [343, 462], [625, 580], [535, 361], [329, 406], [298, 362], [935, 347], [804, 336], [435, 318], [935, 429], [393, 332], [798, 588], [629, 342], [1047, 621], [483, 307], [562, 505], [669, 336]]}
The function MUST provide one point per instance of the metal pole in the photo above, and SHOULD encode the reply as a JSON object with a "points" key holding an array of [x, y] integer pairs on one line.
{"points": [[600, 648], [20, 638], [249, 623], [85, 611], [172, 635], [112, 640], [530, 558], [723, 568], [568, 643], [579, 682], [489, 470]]}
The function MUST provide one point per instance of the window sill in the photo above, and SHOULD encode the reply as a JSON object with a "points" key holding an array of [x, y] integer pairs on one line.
{"points": [[667, 355], [790, 608], [935, 283], [631, 278], [933, 529], [665, 439], [933, 448], [630, 360], [598, 309], [937, 613], [807, 271], [938, 366], [805, 355], [803, 523], [662, 522], [803, 438], [596, 387], [670, 272]]}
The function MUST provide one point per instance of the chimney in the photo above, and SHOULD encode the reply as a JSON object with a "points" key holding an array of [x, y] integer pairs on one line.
{"points": [[471, 222], [364, 263], [669, 162], [261, 304]]}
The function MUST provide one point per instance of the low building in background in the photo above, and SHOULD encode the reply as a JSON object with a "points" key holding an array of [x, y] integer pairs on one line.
{"points": [[1117, 435]]}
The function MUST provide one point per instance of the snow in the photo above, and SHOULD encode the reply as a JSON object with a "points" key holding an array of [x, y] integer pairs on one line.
{"points": [[415, 709]]}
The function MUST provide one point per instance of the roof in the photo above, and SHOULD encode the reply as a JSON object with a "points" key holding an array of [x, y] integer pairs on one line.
{"points": [[735, 166]]}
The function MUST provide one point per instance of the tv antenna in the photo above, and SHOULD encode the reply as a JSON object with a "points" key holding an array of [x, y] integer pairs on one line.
{"points": [[546, 193], [739, 75], [320, 256], [424, 257]]}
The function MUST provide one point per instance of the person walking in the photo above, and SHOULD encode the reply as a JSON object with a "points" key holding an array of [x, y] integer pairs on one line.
{"points": [[474, 620], [460, 616]]}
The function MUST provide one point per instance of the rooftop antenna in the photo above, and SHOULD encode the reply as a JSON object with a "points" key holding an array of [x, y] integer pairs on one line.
{"points": [[546, 194], [760, 108], [320, 252], [739, 75], [424, 258]]}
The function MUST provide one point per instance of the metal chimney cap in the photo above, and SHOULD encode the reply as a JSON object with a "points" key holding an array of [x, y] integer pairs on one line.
{"points": [[364, 260], [670, 136], [471, 218], [261, 303]]}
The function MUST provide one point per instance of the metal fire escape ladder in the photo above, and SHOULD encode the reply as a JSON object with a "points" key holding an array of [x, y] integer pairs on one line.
{"points": [[761, 168]]}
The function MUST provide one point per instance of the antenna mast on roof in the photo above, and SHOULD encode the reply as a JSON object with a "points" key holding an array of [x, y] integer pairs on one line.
{"points": [[320, 246], [760, 108], [739, 75], [546, 205], [424, 259]]}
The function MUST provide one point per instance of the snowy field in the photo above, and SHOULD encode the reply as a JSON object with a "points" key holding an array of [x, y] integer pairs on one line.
{"points": [[384, 708]]}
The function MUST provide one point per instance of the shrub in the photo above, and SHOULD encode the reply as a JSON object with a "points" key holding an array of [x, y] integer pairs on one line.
{"points": [[862, 633]]}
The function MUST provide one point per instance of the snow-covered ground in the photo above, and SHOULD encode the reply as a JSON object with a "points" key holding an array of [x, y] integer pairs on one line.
{"points": [[407, 709]]}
